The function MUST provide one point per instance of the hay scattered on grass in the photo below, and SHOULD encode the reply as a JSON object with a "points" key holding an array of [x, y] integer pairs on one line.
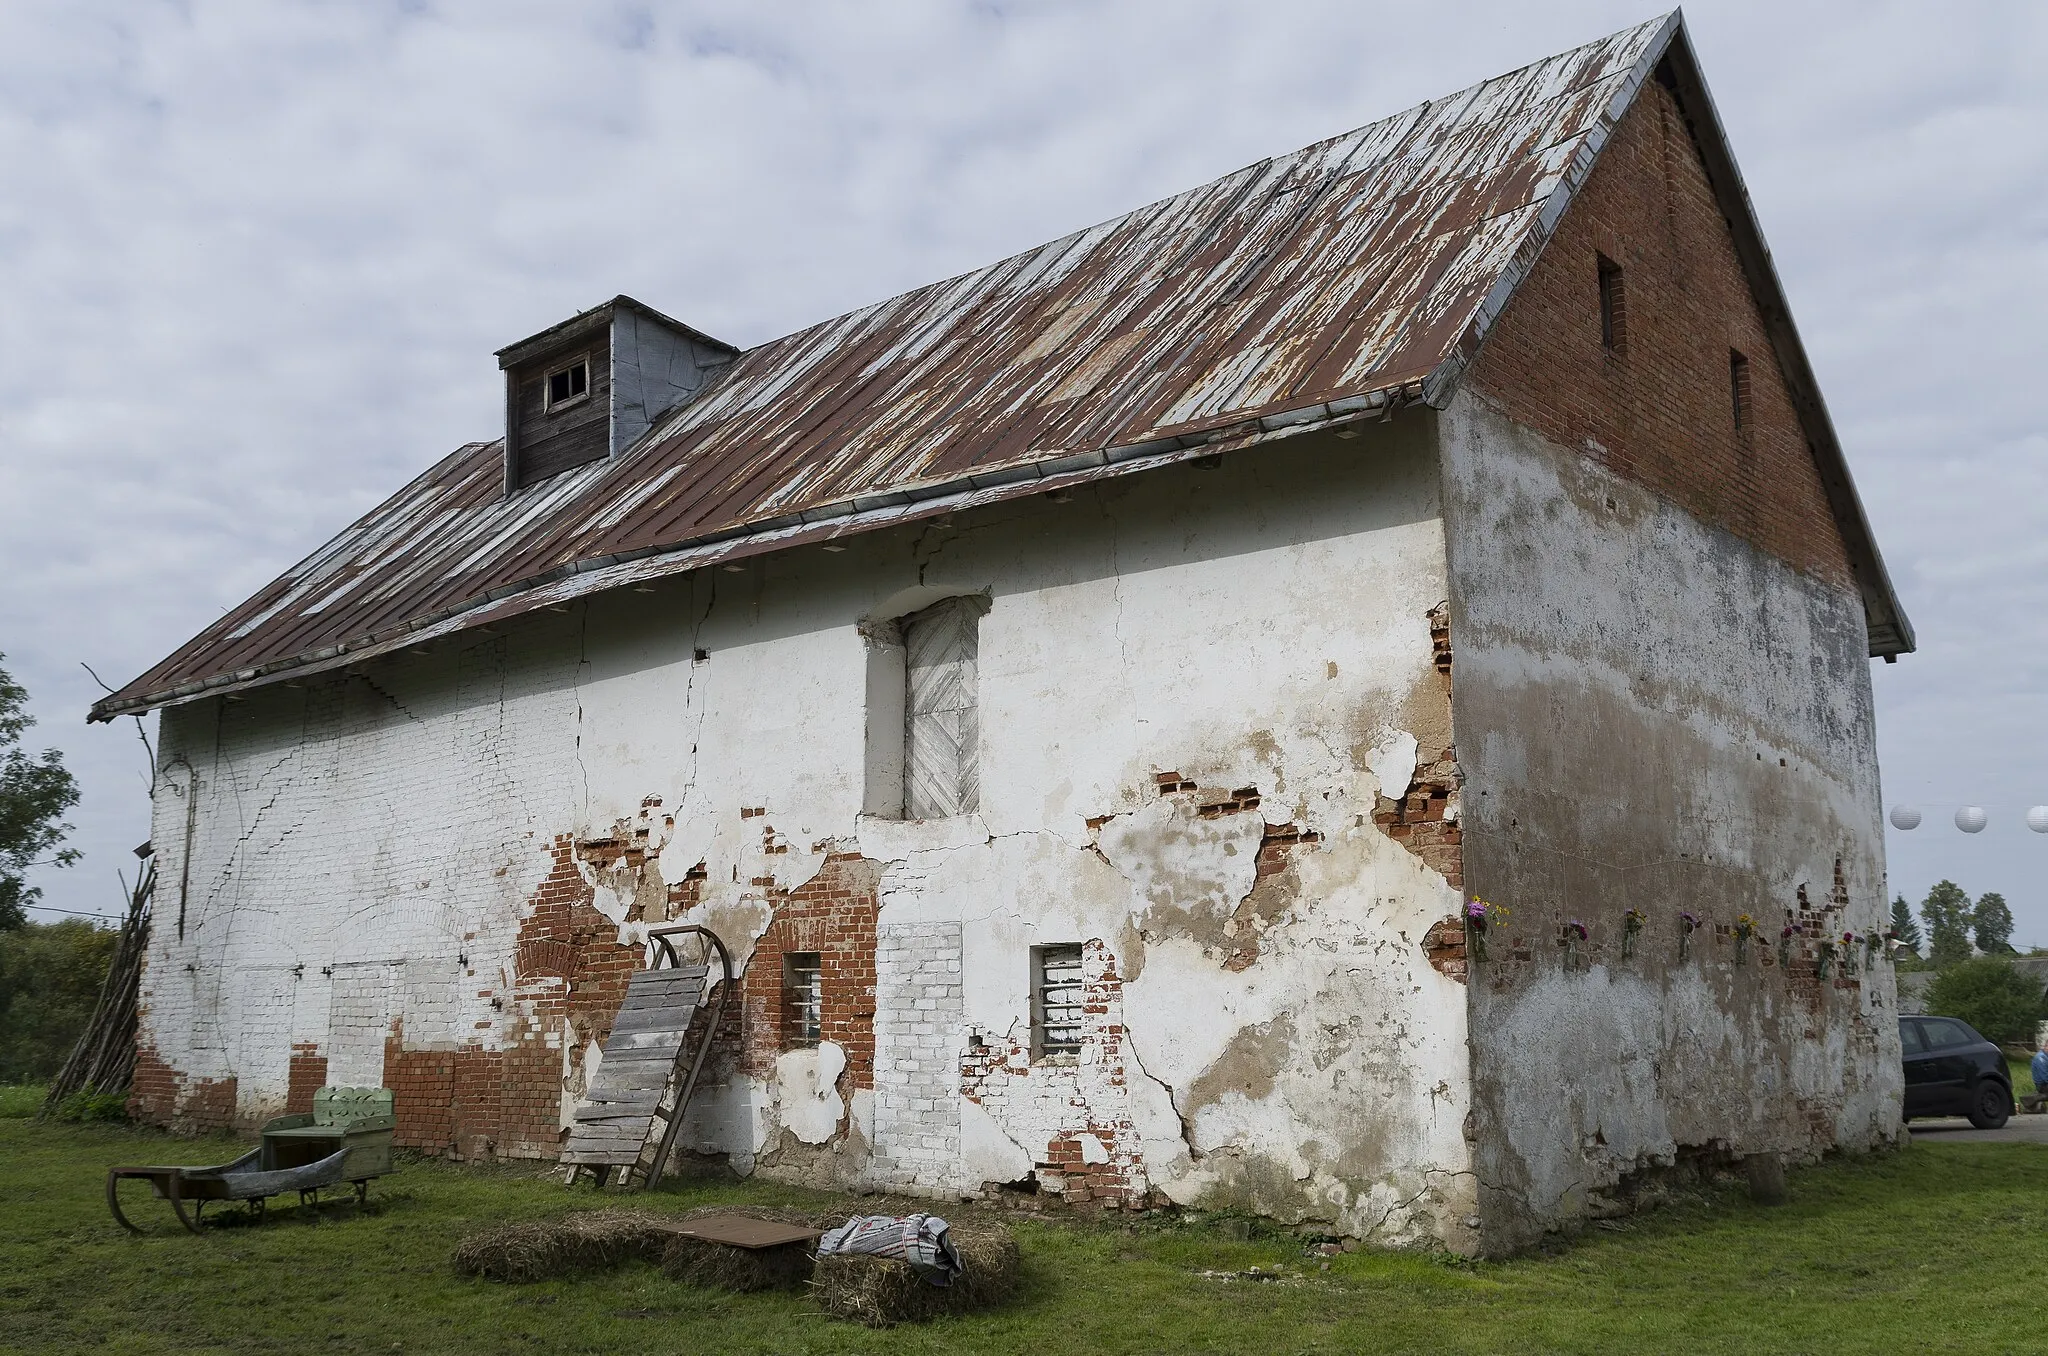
{"points": [[881, 1291], [541, 1250], [593, 1240], [721, 1266]]}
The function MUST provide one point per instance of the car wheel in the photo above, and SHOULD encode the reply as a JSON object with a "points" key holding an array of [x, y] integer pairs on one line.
{"points": [[1990, 1104]]}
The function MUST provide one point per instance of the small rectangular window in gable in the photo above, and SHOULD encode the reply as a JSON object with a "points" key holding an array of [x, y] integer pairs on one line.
{"points": [[1738, 390], [803, 999], [569, 384], [1056, 1006], [1613, 308], [942, 720]]}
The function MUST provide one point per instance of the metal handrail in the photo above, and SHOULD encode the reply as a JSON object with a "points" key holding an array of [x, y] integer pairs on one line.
{"points": [[662, 940]]}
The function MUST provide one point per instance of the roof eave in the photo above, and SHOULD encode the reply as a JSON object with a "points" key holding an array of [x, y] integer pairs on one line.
{"points": [[822, 523]]}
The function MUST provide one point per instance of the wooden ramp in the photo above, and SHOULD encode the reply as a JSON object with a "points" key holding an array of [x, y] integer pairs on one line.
{"points": [[628, 1118]]}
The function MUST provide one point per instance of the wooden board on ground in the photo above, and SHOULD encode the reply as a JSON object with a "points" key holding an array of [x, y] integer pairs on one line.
{"points": [[743, 1231]]}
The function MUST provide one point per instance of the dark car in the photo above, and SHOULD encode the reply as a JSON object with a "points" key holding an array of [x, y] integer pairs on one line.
{"points": [[1953, 1071]]}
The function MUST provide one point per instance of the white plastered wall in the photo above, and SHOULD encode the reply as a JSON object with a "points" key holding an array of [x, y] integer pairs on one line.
{"points": [[1654, 714], [1260, 625]]}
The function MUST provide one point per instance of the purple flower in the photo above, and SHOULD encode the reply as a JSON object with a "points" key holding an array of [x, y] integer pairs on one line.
{"points": [[1576, 926], [1690, 920]]}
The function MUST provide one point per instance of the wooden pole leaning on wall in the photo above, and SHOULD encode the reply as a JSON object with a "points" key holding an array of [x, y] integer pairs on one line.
{"points": [[104, 1059]]}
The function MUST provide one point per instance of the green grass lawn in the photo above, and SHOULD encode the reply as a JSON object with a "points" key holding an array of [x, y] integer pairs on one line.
{"points": [[1939, 1246]]}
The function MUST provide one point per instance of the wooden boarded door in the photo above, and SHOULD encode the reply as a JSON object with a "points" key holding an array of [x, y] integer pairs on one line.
{"points": [[942, 732]]}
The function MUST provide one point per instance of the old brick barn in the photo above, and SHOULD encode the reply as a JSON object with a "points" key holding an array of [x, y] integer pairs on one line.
{"points": [[1085, 693]]}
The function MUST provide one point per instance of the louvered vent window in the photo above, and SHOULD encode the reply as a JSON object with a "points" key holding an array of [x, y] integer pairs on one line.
{"points": [[803, 999], [941, 772], [1056, 1002]]}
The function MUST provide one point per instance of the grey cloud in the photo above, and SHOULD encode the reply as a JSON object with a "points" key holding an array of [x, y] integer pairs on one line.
{"points": [[258, 256]]}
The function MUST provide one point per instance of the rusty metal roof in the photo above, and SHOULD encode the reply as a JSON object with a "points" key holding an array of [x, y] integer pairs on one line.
{"points": [[1352, 276]]}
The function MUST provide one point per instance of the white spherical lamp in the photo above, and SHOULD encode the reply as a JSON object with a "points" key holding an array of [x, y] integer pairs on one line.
{"points": [[2037, 819], [1972, 819], [1905, 817]]}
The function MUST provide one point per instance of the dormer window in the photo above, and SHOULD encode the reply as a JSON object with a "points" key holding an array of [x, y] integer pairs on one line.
{"points": [[583, 390], [567, 385]]}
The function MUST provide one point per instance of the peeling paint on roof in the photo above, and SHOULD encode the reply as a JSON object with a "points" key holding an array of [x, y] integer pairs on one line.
{"points": [[1351, 276]]}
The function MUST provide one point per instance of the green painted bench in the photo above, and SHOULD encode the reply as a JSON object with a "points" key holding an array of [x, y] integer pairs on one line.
{"points": [[345, 1138], [359, 1120]]}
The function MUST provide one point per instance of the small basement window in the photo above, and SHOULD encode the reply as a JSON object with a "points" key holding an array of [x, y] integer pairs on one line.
{"points": [[567, 385], [1056, 1002], [803, 999], [1613, 308], [1738, 390]]}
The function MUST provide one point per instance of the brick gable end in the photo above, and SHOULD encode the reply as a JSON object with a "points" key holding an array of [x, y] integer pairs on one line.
{"points": [[1658, 408]]}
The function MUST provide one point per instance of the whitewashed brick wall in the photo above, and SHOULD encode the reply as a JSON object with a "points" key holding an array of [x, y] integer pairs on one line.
{"points": [[918, 1033]]}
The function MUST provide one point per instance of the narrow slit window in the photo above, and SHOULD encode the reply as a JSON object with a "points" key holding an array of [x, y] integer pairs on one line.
{"points": [[1613, 308], [566, 385], [1738, 390], [803, 999], [1056, 1010]]}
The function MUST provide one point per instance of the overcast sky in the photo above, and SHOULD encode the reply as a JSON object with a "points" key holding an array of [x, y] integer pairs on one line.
{"points": [[255, 258]]}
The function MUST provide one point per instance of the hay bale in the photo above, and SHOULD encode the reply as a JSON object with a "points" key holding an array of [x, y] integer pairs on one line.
{"points": [[881, 1291], [593, 1240], [721, 1266], [540, 1250]]}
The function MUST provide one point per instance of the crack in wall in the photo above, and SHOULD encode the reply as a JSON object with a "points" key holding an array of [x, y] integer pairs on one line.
{"points": [[1116, 587], [375, 687]]}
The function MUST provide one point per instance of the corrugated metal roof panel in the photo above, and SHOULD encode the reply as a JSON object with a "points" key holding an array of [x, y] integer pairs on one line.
{"points": [[1361, 264]]}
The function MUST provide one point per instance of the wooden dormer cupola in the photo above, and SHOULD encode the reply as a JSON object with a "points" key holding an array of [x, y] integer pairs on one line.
{"points": [[584, 390]]}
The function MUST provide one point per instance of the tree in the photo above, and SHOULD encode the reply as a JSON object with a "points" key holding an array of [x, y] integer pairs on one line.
{"points": [[1946, 911], [34, 794], [1905, 927], [50, 977], [1992, 921], [1993, 995]]}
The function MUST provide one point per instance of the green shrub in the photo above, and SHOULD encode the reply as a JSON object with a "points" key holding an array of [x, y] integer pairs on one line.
{"points": [[50, 977], [87, 1106], [19, 1101], [1990, 994]]}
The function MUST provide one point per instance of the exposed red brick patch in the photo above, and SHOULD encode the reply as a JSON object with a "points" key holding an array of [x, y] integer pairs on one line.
{"points": [[1210, 802], [307, 1075], [833, 915], [1421, 820], [1274, 888], [687, 893], [570, 977], [989, 1072], [1440, 637], [1444, 945], [162, 1095], [153, 1090]]}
